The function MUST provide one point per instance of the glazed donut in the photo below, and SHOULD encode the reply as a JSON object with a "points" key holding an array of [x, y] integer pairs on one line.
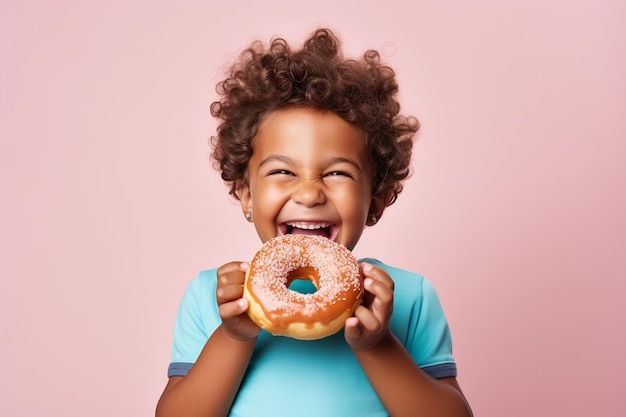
{"points": [[282, 311]]}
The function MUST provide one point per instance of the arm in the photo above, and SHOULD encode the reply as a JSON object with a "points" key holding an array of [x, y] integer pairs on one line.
{"points": [[403, 388], [212, 383]]}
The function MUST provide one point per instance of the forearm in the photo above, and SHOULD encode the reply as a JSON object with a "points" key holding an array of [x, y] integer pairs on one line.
{"points": [[404, 389], [210, 386]]}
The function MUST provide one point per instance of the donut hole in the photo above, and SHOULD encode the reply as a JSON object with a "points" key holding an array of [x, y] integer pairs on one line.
{"points": [[303, 286], [302, 280]]}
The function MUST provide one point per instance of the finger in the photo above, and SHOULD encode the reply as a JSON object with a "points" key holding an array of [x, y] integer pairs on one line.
{"points": [[232, 271], [381, 305], [368, 322], [230, 292], [231, 274], [233, 308], [383, 295], [377, 274], [352, 329]]}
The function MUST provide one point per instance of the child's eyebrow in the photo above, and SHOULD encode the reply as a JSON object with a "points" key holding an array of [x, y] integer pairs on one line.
{"points": [[289, 161], [276, 158], [341, 160]]}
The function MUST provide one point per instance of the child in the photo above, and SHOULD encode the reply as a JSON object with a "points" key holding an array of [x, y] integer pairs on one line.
{"points": [[311, 142]]}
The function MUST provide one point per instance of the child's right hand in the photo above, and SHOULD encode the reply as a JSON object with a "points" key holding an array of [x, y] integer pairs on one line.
{"points": [[232, 307]]}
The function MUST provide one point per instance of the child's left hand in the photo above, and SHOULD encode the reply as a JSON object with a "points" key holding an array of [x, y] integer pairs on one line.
{"points": [[370, 324]]}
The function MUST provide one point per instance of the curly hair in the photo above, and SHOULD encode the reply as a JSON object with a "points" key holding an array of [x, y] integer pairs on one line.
{"points": [[362, 92]]}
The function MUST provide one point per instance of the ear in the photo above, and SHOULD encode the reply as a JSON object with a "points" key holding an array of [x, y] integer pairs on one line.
{"points": [[245, 199], [377, 207]]}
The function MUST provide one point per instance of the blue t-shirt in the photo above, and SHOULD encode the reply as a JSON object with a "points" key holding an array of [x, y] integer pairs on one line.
{"points": [[288, 377]]}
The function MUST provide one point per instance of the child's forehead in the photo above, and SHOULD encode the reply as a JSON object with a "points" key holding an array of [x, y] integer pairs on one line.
{"points": [[310, 118], [310, 139], [294, 124]]}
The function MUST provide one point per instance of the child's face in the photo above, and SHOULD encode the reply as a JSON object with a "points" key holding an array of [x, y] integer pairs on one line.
{"points": [[309, 173]]}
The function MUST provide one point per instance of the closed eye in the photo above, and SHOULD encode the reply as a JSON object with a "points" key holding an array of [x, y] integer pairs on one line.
{"points": [[338, 174], [280, 172]]}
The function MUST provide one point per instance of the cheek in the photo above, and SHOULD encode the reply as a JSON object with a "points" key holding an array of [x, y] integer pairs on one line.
{"points": [[267, 195], [354, 201]]}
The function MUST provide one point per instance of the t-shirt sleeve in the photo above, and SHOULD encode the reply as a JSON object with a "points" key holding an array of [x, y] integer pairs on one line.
{"points": [[197, 318], [419, 322], [430, 343]]}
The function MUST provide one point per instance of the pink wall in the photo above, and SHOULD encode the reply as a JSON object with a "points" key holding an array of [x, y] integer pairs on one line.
{"points": [[515, 212]]}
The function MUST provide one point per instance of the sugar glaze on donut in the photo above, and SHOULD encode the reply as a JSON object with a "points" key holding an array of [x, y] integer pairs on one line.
{"points": [[331, 268]]}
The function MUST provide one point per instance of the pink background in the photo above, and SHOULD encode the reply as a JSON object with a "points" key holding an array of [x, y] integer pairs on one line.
{"points": [[515, 212]]}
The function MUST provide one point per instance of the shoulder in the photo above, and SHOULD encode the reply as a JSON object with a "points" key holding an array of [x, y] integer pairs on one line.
{"points": [[200, 291], [411, 289], [414, 295], [402, 278], [419, 322], [205, 280], [198, 305]]}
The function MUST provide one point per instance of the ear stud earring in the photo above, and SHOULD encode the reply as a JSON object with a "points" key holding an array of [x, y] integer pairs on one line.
{"points": [[373, 219], [248, 216]]}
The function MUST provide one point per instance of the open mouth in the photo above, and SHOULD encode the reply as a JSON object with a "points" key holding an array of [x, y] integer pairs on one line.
{"points": [[306, 228]]}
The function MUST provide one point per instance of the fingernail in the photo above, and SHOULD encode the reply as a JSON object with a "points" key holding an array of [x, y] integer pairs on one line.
{"points": [[367, 282], [367, 267]]}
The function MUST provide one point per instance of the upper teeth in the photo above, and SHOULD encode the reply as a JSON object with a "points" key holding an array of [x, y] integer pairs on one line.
{"points": [[309, 226]]}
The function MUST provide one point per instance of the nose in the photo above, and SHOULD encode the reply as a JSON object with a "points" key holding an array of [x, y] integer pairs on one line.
{"points": [[309, 193]]}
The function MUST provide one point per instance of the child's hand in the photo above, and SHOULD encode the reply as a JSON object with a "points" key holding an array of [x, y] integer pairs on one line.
{"points": [[230, 279], [370, 324]]}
